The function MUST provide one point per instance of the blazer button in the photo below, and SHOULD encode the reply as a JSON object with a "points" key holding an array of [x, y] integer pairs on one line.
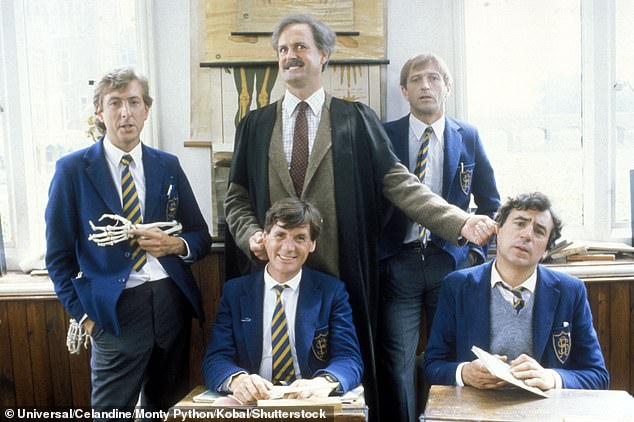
{"points": [[127, 254]]}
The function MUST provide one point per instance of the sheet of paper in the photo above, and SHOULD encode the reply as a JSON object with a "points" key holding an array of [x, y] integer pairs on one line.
{"points": [[502, 370]]}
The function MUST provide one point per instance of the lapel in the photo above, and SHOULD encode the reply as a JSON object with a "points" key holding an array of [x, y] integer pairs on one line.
{"points": [[401, 141], [277, 158], [546, 302], [478, 291], [155, 183], [99, 175], [251, 303], [308, 306], [323, 142], [453, 144]]}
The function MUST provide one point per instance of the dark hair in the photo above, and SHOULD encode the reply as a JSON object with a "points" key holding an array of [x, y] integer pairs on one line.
{"points": [[422, 60], [114, 81], [324, 36], [531, 201], [292, 212]]}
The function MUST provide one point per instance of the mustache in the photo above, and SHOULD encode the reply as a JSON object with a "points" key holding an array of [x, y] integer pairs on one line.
{"points": [[292, 63]]}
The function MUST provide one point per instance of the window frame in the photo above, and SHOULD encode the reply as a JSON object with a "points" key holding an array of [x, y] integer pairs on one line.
{"points": [[598, 69], [28, 242]]}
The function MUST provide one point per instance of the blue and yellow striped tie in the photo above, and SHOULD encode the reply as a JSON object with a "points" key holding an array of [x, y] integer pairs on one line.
{"points": [[132, 210], [518, 300], [421, 170], [283, 370]]}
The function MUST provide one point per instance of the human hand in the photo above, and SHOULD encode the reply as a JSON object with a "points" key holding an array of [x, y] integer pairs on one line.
{"points": [[478, 229], [477, 375], [315, 387], [89, 324], [250, 388], [532, 373], [256, 245], [158, 243]]}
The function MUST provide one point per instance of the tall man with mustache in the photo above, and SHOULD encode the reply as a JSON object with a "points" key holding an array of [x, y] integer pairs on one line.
{"points": [[336, 155], [536, 319]]}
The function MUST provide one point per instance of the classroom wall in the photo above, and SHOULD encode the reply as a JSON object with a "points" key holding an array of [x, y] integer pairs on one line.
{"points": [[413, 26]]}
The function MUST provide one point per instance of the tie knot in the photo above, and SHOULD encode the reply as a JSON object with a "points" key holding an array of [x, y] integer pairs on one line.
{"points": [[427, 133], [126, 160], [279, 289], [302, 106]]}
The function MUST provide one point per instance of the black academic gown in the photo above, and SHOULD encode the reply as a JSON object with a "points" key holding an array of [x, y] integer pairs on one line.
{"points": [[361, 157]]}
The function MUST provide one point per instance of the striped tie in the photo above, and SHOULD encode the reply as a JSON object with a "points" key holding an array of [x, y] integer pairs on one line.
{"points": [[421, 170], [518, 300], [131, 210], [283, 371]]}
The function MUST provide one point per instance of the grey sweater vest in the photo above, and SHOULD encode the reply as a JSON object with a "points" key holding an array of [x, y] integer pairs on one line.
{"points": [[511, 333]]}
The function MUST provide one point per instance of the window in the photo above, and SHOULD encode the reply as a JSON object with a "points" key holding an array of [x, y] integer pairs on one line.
{"points": [[541, 90], [52, 54]]}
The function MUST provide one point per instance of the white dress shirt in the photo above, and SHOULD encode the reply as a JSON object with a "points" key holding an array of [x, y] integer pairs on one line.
{"points": [[290, 295], [313, 116], [152, 270], [435, 159]]}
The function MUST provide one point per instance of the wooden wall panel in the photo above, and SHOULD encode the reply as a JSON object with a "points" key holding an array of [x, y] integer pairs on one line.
{"points": [[7, 380], [620, 333], [58, 354], [20, 354], [38, 346]]}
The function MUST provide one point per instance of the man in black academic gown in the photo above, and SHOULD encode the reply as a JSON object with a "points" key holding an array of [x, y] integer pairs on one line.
{"points": [[336, 155]]}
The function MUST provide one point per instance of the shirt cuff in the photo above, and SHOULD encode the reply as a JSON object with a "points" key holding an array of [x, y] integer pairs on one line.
{"points": [[459, 381], [558, 381], [188, 257], [224, 387]]}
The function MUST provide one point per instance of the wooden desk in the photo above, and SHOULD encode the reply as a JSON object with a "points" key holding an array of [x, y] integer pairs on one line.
{"points": [[448, 403], [204, 411]]}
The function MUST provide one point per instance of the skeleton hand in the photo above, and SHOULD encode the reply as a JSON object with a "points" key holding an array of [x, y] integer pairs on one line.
{"points": [[108, 235]]}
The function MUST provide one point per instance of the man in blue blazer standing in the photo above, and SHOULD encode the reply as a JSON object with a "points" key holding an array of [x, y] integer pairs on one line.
{"points": [[533, 318], [448, 156], [135, 298], [321, 352]]}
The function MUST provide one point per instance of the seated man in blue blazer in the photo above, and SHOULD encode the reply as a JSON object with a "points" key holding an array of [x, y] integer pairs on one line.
{"points": [[287, 324], [536, 319]]}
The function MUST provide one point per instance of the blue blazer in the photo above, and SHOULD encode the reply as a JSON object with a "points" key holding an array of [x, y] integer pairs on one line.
{"points": [[89, 278], [323, 311], [466, 171], [463, 315]]}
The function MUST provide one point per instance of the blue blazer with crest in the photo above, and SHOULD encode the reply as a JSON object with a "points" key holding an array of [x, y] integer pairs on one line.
{"points": [[89, 278], [323, 311], [466, 171], [561, 314]]}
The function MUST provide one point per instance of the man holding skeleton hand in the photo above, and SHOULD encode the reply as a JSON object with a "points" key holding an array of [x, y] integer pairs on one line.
{"points": [[125, 280]]}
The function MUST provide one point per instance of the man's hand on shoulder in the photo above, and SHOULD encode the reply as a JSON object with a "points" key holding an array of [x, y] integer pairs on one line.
{"points": [[532, 373], [477, 375], [478, 229], [256, 245], [250, 388], [157, 243]]}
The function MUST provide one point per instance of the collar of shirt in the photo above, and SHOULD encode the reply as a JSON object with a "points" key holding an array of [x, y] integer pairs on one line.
{"points": [[114, 154], [528, 284], [315, 102], [270, 282], [418, 127]]}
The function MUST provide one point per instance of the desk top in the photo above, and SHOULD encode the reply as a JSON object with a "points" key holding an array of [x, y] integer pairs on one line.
{"points": [[349, 412], [448, 403]]}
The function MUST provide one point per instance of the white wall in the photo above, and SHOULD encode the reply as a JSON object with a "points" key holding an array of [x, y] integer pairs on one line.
{"points": [[172, 111], [414, 26]]}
